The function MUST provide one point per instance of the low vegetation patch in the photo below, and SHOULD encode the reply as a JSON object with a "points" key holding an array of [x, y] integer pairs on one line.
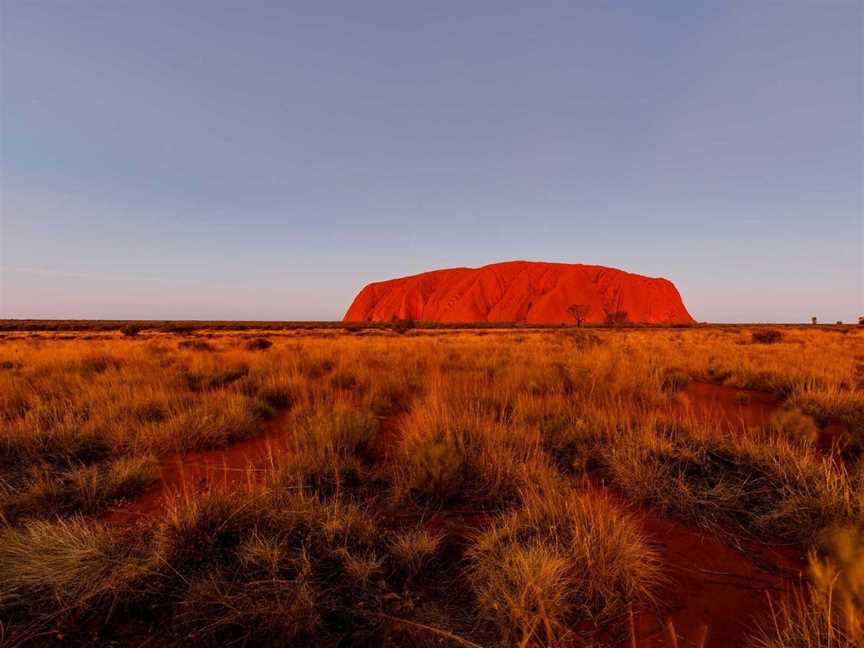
{"points": [[130, 330], [433, 488], [767, 336], [771, 486], [86, 489], [561, 559], [259, 344], [195, 345]]}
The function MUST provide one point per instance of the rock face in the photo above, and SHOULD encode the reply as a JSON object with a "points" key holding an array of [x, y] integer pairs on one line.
{"points": [[522, 291]]}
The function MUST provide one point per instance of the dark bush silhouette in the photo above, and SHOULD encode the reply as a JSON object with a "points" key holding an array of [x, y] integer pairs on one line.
{"points": [[194, 345], [579, 312], [616, 318], [403, 326], [131, 330], [175, 327], [258, 344], [767, 336]]}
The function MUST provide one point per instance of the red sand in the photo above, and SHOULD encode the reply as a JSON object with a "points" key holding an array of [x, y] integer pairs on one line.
{"points": [[713, 587], [226, 468], [724, 404], [521, 291], [235, 466]]}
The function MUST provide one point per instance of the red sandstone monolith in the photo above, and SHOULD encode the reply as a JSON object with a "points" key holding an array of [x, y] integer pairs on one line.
{"points": [[522, 291]]}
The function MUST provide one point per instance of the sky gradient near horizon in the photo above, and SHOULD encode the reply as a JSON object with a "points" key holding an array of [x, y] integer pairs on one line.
{"points": [[265, 160]]}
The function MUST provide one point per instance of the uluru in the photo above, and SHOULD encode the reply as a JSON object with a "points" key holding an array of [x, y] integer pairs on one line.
{"points": [[522, 291]]}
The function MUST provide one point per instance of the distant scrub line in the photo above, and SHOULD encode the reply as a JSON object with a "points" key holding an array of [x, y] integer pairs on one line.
{"points": [[133, 327]]}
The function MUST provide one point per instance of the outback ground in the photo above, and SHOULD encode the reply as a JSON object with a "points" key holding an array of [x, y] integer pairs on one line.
{"points": [[393, 486]]}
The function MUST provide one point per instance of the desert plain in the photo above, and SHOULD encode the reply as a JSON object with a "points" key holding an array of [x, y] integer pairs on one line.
{"points": [[400, 484]]}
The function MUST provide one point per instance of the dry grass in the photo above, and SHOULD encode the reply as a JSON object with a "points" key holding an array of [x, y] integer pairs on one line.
{"points": [[459, 446], [561, 559], [766, 484], [84, 489], [387, 432], [832, 611]]}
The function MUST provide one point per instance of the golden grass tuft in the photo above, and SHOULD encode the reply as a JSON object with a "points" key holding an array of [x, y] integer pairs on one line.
{"points": [[561, 559]]}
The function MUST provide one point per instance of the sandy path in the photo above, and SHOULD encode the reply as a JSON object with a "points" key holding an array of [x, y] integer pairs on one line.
{"points": [[232, 466]]}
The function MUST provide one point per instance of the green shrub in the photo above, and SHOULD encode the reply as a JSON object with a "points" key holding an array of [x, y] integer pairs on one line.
{"points": [[616, 318], [131, 330], [402, 326]]}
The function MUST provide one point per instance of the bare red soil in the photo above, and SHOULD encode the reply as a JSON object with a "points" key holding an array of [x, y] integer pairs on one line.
{"points": [[734, 408], [521, 291], [233, 466], [716, 592], [219, 468], [738, 410]]}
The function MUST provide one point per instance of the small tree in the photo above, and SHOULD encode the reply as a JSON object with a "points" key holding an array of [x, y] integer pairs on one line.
{"points": [[615, 313], [616, 318], [131, 330], [579, 312], [402, 326]]}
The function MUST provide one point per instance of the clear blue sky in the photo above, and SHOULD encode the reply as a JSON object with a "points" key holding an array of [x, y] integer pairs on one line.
{"points": [[264, 160]]}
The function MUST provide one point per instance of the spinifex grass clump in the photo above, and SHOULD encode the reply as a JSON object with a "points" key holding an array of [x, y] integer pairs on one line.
{"points": [[269, 566], [88, 489], [49, 570], [79, 426], [838, 578], [415, 549], [560, 560], [455, 451], [766, 484], [331, 449]]}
